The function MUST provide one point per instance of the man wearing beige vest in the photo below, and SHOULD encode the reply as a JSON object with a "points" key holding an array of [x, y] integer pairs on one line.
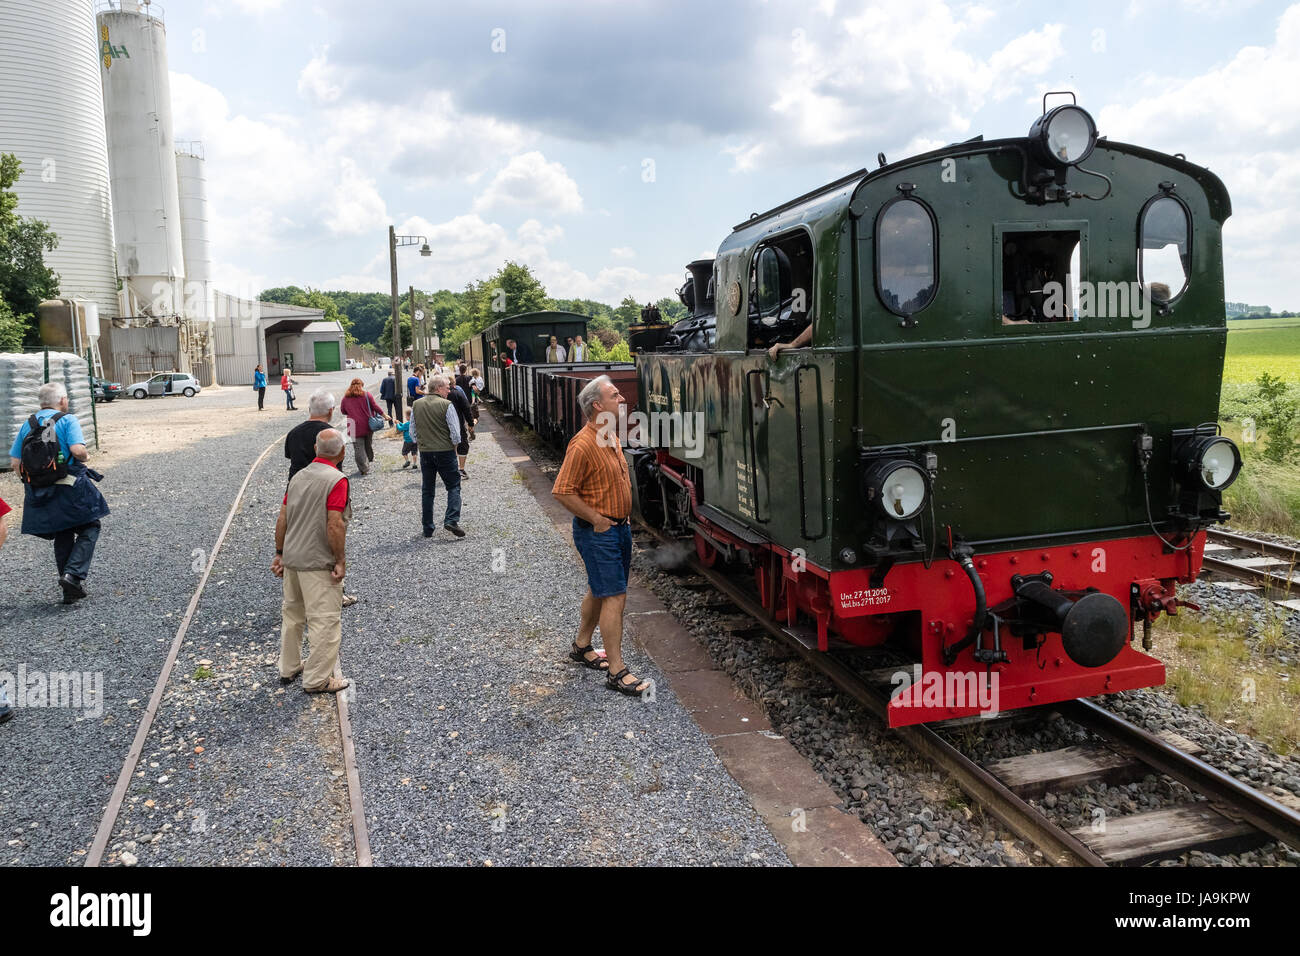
{"points": [[309, 555]]}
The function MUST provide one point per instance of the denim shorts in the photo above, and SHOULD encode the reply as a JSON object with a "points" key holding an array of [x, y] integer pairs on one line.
{"points": [[608, 556]]}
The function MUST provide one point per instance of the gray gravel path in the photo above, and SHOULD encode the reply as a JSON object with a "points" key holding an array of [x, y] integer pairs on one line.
{"points": [[60, 763], [477, 741], [237, 768]]}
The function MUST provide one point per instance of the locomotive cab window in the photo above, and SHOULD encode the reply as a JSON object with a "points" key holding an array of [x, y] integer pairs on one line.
{"points": [[907, 258], [780, 293], [1164, 249], [1040, 276]]}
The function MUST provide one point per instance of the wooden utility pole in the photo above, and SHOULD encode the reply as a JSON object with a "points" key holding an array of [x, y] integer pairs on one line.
{"points": [[417, 340], [399, 388]]}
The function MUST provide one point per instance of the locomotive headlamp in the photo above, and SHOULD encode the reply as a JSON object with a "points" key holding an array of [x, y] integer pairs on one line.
{"points": [[1064, 136], [898, 487], [1212, 459]]}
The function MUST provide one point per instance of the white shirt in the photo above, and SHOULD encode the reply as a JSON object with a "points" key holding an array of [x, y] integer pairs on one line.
{"points": [[580, 352], [559, 353]]}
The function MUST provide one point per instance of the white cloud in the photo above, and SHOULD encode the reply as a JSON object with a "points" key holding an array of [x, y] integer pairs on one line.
{"points": [[316, 82], [1225, 120], [530, 180], [623, 252]]}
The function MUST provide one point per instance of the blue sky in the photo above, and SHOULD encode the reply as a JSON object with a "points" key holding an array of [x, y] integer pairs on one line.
{"points": [[607, 143]]}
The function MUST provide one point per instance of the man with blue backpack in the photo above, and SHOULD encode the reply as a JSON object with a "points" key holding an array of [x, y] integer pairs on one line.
{"points": [[62, 503]]}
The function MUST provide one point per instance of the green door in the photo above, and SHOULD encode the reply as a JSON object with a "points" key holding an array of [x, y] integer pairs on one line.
{"points": [[327, 357]]}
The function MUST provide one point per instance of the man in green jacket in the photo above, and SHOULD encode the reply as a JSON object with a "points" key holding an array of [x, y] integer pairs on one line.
{"points": [[436, 425]]}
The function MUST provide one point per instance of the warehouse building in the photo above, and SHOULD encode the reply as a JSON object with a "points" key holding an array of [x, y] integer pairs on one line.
{"points": [[274, 335]]}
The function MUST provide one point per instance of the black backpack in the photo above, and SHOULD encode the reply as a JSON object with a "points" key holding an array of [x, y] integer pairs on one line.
{"points": [[42, 460]]}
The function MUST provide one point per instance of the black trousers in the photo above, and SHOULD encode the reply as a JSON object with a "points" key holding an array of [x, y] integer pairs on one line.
{"points": [[73, 549], [261, 397]]}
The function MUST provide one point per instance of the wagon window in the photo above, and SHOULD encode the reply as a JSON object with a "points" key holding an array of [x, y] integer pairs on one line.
{"points": [[906, 256], [1164, 250]]}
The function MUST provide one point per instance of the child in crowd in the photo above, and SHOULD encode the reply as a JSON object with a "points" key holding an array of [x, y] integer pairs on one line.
{"points": [[410, 450]]}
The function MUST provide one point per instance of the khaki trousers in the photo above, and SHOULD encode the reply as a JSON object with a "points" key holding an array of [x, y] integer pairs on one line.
{"points": [[314, 599]]}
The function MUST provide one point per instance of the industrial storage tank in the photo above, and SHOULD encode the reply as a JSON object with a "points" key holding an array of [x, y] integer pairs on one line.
{"points": [[146, 198], [52, 118], [191, 177]]}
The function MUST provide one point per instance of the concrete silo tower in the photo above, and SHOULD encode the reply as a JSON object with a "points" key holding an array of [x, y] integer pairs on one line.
{"points": [[52, 118], [146, 198]]}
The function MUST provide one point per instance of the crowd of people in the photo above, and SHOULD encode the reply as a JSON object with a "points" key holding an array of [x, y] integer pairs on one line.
{"points": [[63, 505]]}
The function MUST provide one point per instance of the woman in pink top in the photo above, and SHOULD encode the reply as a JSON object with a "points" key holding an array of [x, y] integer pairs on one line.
{"points": [[358, 405]]}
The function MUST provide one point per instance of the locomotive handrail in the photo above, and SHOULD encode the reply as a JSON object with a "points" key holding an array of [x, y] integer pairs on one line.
{"points": [[753, 446], [798, 445], [1042, 433]]}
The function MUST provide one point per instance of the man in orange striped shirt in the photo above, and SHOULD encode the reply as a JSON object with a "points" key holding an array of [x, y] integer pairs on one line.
{"points": [[593, 483]]}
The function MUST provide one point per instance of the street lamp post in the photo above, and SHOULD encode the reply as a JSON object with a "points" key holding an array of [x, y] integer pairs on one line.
{"points": [[394, 243]]}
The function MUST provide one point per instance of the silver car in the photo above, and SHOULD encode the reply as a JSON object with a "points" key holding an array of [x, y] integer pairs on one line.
{"points": [[167, 383]]}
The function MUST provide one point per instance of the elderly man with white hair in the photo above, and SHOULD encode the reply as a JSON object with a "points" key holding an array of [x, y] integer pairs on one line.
{"points": [[593, 484], [300, 443], [61, 502], [310, 540]]}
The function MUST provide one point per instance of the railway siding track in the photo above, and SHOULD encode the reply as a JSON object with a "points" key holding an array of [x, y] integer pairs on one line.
{"points": [[1273, 568], [1232, 817]]}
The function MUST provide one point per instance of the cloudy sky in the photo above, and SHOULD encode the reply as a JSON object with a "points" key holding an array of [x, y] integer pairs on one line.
{"points": [[608, 142]]}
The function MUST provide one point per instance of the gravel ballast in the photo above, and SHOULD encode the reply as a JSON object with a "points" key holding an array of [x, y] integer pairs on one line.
{"points": [[478, 742], [172, 467]]}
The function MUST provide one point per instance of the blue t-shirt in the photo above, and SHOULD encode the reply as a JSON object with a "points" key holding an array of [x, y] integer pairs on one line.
{"points": [[411, 384], [68, 430], [259, 379]]}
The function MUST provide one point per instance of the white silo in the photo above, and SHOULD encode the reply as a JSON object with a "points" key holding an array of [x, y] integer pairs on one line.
{"points": [[146, 199], [52, 118], [191, 178]]}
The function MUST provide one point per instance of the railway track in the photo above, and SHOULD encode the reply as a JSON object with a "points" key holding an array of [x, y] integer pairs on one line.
{"points": [[104, 832], [1233, 816], [1273, 568]]}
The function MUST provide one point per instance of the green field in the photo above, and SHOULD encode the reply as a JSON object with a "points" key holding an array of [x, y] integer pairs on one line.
{"points": [[1266, 497], [1263, 345]]}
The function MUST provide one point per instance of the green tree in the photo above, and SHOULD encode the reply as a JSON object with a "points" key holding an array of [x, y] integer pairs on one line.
{"points": [[24, 279], [671, 309], [316, 299], [627, 313], [513, 290]]}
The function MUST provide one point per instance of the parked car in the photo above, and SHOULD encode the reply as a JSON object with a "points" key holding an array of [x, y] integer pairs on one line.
{"points": [[167, 383], [106, 391], [352, 363]]}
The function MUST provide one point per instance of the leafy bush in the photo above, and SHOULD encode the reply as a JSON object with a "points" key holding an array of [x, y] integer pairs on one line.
{"points": [[1278, 417], [13, 328]]}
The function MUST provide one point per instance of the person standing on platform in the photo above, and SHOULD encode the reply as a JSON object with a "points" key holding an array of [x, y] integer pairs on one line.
{"points": [[300, 443], [554, 350], [360, 406], [465, 413], [415, 384], [579, 353], [310, 543], [593, 484], [388, 392], [259, 385], [61, 502], [437, 431]]}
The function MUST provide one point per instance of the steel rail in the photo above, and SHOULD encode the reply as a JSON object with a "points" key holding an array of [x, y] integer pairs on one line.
{"points": [[1269, 549], [1261, 576], [1258, 809], [1059, 847]]}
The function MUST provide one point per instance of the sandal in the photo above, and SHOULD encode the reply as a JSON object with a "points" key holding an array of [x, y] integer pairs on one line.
{"points": [[331, 686], [292, 677], [615, 682], [579, 654]]}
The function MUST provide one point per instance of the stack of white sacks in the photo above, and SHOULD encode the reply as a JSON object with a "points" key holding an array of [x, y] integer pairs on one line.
{"points": [[22, 374]]}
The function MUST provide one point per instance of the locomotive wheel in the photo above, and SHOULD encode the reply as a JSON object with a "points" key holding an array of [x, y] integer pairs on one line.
{"points": [[705, 551]]}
